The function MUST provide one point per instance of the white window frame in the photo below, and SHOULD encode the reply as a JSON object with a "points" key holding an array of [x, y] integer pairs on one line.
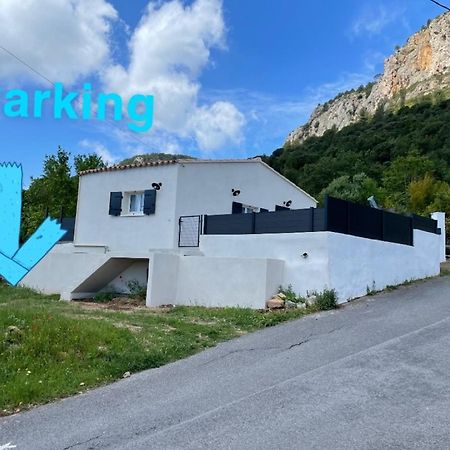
{"points": [[127, 196]]}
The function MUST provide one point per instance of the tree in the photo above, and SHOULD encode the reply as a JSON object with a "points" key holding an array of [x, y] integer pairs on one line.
{"points": [[355, 189], [422, 193], [398, 177], [55, 192], [86, 162]]}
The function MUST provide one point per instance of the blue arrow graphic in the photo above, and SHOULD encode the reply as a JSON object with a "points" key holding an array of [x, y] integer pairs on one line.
{"points": [[15, 263], [11, 205]]}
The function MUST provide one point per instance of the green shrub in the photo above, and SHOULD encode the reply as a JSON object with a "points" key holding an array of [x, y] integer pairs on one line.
{"points": [[326, 300], [137, 290]]}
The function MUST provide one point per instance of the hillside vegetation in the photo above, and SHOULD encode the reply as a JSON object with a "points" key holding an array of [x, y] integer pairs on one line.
{"points": [[402, 158]]}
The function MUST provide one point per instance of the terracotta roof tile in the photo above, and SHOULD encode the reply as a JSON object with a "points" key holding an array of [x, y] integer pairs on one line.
{"points": [[130, 166]]}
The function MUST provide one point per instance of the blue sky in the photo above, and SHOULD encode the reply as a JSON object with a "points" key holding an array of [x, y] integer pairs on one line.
{"points": [[231, 78]]}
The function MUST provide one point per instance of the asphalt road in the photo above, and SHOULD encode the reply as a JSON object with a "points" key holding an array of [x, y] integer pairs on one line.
{"points": [[372, 375]]}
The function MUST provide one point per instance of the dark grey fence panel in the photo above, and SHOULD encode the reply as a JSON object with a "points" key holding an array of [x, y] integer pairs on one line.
{"points": [[365, 222], [397, 228], [289, 221], [358, 220], [68, 223], [336, 215], [295, 221], [229, 224], [319, 219], [425, 224], [339, 216]]}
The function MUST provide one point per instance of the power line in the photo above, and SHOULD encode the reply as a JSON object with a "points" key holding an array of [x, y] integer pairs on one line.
{"points": [[440, 4], [13, 55], [25, 64]]}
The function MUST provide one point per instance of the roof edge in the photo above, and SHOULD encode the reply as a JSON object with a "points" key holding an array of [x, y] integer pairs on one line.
{"points": [[192, 161], [129, 166], [289, 181], [165, 163]]}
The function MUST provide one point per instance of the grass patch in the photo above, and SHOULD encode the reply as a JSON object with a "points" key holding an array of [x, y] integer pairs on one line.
{"points": [[445, 269], [51, 349]]}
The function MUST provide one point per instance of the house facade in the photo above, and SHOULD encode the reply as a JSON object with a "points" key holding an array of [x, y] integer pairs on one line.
{"points": [[137, 208], [129, 221]]}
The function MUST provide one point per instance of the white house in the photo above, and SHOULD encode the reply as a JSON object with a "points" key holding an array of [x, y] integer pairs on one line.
{"points": [[130, 215], [205, 232], [112, 210]]}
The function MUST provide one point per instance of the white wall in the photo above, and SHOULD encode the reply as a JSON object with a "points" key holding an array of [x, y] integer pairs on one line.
{"points": [[94, 225], [357, 265], [205, 188], [213, 282], [305, 274], [349, 264], [440, 217], [246, 270], [163, 279], [62, 269]]}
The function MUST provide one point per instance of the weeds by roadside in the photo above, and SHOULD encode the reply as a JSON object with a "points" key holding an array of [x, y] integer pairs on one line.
{"points": [[317, 301]]}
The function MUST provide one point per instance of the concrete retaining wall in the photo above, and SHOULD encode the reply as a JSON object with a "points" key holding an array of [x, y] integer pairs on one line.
{"points": [[306, 255], [358, 265], [243, 270], [220, 282], [349, 264], [62, 268]]}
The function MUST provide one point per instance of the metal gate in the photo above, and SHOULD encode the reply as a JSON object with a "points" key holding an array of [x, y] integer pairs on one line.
{"points": [[189, 229]]}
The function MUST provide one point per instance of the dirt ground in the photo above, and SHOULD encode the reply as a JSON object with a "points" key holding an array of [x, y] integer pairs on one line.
{"points": [[119, 303]]}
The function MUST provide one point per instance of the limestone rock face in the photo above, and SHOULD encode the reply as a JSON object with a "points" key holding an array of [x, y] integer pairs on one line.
{"points": [[420, 68]]}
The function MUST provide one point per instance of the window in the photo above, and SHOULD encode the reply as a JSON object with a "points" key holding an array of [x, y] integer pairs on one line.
{"points": [[239, 208], [136, 203], [246, 209]]}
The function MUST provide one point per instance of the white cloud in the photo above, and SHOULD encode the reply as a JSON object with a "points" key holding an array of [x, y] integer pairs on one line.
{"points": [[169, 49], [63, 39], [99, 149], [213, 125], [375, 18], [69, 40]]}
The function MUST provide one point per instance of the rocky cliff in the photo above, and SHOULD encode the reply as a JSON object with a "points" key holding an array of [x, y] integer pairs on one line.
{"points": [[420, 68]]}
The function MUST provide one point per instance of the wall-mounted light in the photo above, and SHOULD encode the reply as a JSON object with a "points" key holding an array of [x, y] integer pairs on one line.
{"points": [[235, 192], [156, 186], [288, 203]]}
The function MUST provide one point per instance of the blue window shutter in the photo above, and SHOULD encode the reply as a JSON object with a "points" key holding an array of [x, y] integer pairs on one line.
{"points": [[149, 202], [236, 208], [115, 203]]}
